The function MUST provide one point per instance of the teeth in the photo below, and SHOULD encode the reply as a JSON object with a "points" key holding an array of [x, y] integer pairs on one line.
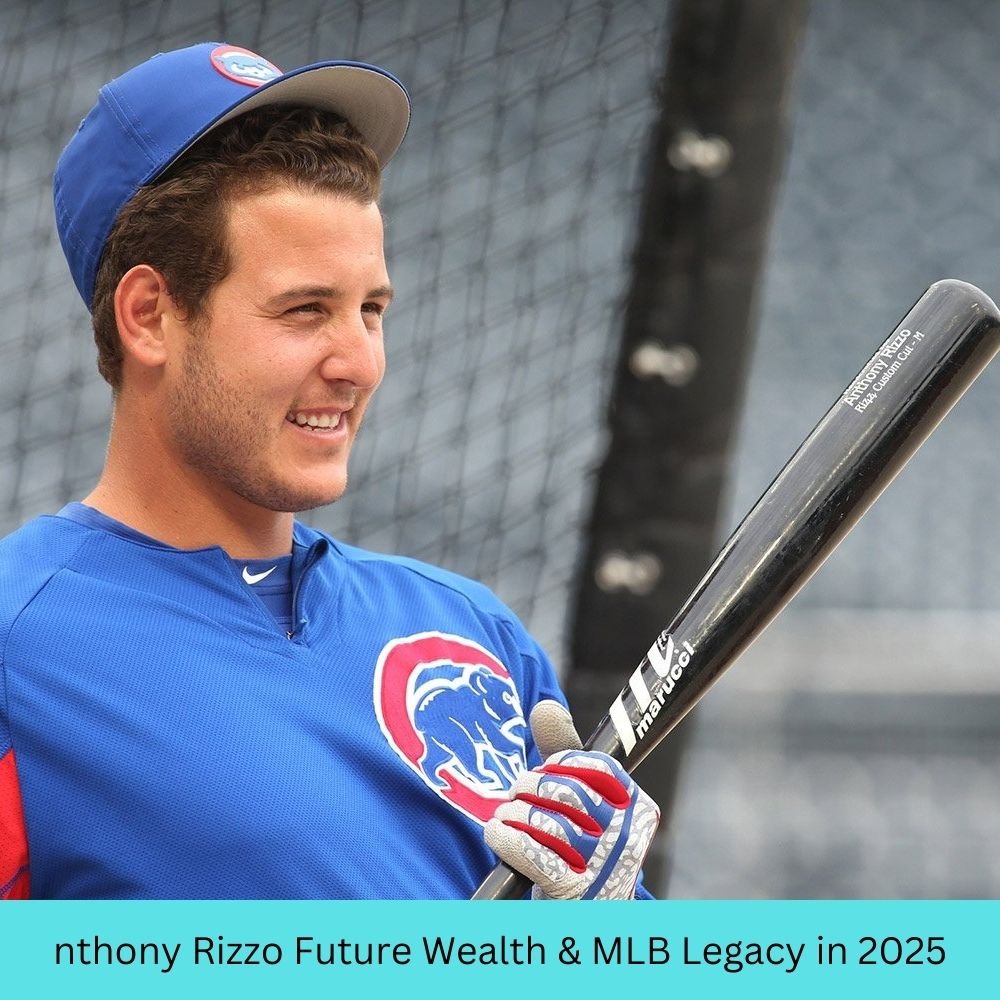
{"points": [[321, 422]]}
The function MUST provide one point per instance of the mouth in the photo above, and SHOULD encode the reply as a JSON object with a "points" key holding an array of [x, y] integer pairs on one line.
{"points": [[317, 422]]}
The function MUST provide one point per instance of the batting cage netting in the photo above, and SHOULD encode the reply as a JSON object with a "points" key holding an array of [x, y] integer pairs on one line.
{"points": [[854, 751]]}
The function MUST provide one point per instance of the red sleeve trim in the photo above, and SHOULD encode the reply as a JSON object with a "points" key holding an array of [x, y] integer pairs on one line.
{"points": [[13, 836]]}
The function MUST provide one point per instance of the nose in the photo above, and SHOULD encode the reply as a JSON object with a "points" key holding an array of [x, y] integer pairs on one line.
{"points": [[354, 354]]}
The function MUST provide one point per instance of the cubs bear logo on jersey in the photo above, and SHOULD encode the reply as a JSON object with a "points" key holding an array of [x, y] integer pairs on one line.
{"points": [[449, 709]]}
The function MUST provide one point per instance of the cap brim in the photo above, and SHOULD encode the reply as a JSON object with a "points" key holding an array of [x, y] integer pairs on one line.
{"points": [[371, 99]]}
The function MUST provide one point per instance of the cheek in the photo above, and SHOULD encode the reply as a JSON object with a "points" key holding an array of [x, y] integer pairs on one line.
{"points": [[266, 373]]}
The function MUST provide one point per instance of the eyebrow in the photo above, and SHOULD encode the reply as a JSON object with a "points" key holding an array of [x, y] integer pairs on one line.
{"points": [[326, 292]]}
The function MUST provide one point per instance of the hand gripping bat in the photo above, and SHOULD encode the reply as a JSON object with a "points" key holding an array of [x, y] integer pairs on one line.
{"points": [[873, 428]]}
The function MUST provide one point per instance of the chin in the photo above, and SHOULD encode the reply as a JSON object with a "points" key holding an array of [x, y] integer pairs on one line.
{"points": [[318, 496], [292, 499]]}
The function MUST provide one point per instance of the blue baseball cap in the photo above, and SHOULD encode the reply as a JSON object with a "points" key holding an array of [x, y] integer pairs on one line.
{"points": [[148, 117]]}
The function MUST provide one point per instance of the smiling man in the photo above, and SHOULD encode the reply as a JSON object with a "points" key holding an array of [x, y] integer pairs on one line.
{"points": [[246, 410], [201, 697]]}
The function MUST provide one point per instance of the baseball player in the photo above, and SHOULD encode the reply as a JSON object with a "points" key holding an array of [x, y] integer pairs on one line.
{"points": [[199, 696]]}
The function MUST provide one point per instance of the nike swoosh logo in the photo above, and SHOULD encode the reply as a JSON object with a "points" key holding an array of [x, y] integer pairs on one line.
{"points": [[253, 578]]}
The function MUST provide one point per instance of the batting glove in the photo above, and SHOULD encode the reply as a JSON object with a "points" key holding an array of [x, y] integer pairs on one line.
{"points": [[578, 826]]}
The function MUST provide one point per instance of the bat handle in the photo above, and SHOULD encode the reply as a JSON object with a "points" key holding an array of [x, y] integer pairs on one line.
{"points": [[503, 883]]}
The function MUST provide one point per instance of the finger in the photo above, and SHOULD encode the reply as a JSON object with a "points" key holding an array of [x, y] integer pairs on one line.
{"points": [[552, 729], [598, 779], [570, 785], [566, 815], [567, 798], [538, 855]]}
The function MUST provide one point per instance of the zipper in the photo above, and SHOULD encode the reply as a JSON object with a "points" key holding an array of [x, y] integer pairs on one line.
{"points": [[316, 552]]}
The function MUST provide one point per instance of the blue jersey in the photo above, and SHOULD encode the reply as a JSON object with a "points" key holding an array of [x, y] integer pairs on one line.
{"points": [[162, 737]]}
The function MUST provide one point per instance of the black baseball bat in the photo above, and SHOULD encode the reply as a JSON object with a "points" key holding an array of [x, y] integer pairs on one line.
{"points": [[876, 424]]}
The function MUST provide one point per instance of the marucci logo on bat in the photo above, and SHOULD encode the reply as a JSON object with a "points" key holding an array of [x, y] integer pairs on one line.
{"points": [[668, 670]]}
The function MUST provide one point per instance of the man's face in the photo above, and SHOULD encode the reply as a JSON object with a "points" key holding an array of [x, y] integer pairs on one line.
{"points": [[266, 392]]}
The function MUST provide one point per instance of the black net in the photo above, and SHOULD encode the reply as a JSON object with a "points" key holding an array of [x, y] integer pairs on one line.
{"points": [[508, 225]]}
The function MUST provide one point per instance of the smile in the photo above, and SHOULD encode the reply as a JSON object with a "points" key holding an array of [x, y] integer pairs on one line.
{"points": [[316, 421]]}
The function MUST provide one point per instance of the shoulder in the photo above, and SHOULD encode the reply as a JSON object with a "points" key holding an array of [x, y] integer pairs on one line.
{"points": [[434, 577], [31, 556], [405, 573]]}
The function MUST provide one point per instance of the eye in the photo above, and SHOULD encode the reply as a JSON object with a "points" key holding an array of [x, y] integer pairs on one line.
{"points": [[306, 307], [374, 308]]}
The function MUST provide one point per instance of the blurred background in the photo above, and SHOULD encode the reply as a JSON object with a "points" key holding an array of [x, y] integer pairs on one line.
{"points": [[759, 190]]}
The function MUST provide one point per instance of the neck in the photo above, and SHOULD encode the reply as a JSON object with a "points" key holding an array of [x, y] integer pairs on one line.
{"points": [[143, 487]]}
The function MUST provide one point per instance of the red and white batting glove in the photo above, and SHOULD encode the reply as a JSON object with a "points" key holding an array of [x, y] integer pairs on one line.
{"points": [[578, 826]]}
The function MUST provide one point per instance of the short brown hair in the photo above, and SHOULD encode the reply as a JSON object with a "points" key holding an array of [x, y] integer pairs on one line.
{"points": [[177, 224]]}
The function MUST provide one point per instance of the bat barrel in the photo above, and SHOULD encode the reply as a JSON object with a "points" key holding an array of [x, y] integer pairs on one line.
{"points": [[870, 432]]}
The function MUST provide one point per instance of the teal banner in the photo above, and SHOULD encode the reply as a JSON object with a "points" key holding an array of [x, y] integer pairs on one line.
{"points": [[511, 949]]}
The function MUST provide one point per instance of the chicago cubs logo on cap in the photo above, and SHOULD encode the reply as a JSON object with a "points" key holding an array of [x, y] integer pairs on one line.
{"points": [[449, 709], [243, 66]]}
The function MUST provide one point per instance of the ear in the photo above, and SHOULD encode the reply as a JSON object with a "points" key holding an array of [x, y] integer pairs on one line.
{"points": [[143, 311]]}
